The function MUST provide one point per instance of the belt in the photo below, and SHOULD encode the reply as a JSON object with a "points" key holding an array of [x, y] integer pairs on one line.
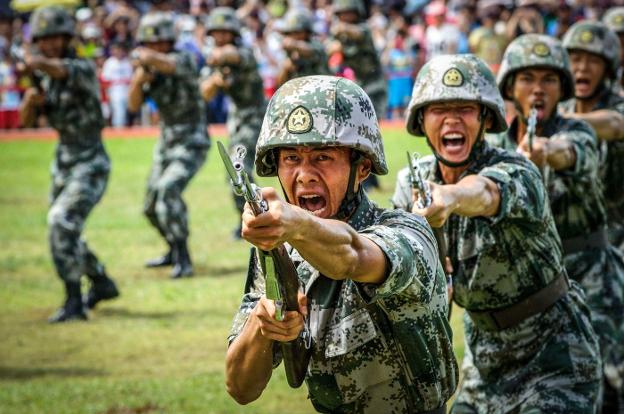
{"points": [[537, 302], [595, 240]]}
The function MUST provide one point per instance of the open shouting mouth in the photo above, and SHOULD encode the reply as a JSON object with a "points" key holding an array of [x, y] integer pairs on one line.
{"points": [[313, 202]]}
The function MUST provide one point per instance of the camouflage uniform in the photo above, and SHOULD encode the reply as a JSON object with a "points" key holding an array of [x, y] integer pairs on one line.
{"points": [[81, 166], [246, 92], [548, 362], [183, 142], [596, 38], [315, 64], [361, 56], [614, 19], [376, 348], [578, 207]]}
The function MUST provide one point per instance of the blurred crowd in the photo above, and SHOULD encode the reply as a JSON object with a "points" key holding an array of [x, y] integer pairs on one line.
{"points": [[406, 33]]}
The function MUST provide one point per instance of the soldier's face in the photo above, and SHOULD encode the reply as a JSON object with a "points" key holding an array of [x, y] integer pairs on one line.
{"points": [[164, 46], [588, 70], [316, 179], [300, 35], [349, 16], [453, 128], [53, 46], [222, 37], [539, 88]]}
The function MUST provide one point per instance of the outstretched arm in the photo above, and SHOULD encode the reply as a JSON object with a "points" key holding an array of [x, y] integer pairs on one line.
{"points": [[331, 246], [472, 196]]}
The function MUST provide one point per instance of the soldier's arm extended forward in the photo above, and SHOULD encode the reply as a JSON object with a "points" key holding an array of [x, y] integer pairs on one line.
{"points": [[472, 196], [54, 67], [608, 123], [559, 154], [159, 62], [331, 246]]}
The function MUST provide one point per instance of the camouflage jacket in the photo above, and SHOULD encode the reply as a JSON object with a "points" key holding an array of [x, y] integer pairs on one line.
{"points": [[361, 56], [611, 163], [497, 260], [370, 341], [316, 64], [179, 103], [73, 109], [576, 201], [246, 90]]}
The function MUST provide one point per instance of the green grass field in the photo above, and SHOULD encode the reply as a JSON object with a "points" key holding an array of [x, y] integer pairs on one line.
{"points": [[160, 347]]}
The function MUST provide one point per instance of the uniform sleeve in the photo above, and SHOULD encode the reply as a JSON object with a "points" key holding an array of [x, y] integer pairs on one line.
{"points": [[254, 290], [402, 197], [185, 65], [411, 252], [81, 75], [585, 143], [522, 193]]}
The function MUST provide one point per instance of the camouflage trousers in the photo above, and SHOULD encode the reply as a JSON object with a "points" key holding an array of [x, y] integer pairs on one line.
{"points": [[549, 363], [172, 169], [601, 274], [75, 191], [243, 129]]}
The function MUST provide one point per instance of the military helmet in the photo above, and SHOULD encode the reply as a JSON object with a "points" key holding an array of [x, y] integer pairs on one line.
{"points": [[614, 19], [156, 27], [296, 20], [536, 51], [319, 111], [223, 18], [51, 21], [449, 78], [340, 6], [596, 38]]}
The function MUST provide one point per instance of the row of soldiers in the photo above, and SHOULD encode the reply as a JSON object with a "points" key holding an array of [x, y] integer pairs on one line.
{"points": [[532, 264], [531, 214], [68, 95]]}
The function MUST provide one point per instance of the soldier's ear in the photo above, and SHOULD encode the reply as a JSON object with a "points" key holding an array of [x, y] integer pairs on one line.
{"points": [[364, 168]]}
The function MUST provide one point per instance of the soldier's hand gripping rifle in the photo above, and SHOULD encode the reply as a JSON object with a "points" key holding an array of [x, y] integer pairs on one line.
{"points": [[424, 201], [18, 54], [531, 125], [282, 282]]}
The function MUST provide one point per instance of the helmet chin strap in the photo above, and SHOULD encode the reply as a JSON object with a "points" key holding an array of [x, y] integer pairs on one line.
{"points": [[352, 198], [476, 148]]}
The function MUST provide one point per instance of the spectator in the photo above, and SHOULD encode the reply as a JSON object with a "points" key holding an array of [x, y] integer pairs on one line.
{"points": [[116, 74], [441, 38]]}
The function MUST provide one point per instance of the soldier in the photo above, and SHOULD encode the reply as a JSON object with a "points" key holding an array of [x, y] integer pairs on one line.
{"points": [[375, 294], [530, 343], [595, 60], [69, 96], [535, 73], [232, 69], [306, 55], [614, 19], [169, 77], [352, 37]]}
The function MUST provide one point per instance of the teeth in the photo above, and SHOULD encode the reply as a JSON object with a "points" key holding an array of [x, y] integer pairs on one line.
{"points": [[309, 196], [452, 136]]}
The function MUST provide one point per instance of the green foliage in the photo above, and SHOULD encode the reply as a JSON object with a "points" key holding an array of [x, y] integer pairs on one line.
{"points": [[160, 347]]}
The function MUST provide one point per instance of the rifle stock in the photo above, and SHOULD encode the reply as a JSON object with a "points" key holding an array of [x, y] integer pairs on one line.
{"points": [[279, 270]]}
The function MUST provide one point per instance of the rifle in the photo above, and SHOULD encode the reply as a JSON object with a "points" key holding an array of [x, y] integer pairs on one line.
{"points": [[424, 200], [531, 125], [17, 55], [282, 282]]}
